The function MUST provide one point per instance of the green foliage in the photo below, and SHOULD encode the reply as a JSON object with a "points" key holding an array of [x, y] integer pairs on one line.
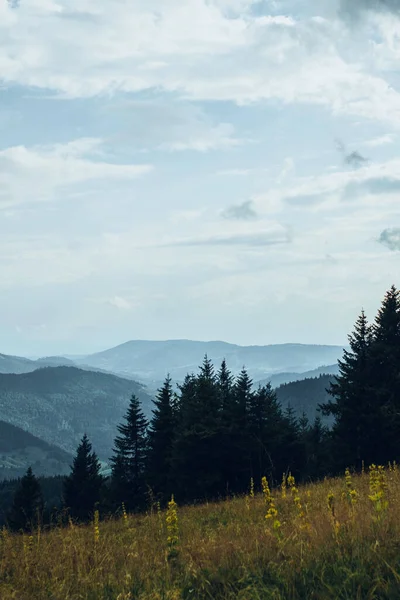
{"points": [[161, 435], [129, 459], [82, 488], [27, 506]]}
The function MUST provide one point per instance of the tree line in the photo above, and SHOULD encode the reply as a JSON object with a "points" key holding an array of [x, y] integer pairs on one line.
{"points": [[215, 433]]}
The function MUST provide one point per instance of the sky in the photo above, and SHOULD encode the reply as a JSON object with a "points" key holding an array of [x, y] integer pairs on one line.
{"points": [[207, 169]]}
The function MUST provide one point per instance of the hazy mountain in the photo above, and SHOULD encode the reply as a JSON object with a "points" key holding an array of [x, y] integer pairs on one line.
{"points": [[305, 395], [152, 360], [60, 404], [20, 449], [281, 378], [19, 364]]}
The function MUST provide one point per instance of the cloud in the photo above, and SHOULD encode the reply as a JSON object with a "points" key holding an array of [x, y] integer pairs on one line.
{"points": [[304, 199], [234, 172], [257, 238], [382, 140], [168, 45], [174, 126], [352, 159], [373, 185], [120, 303], [241, 212], [355, 159], [34, 173], [354, 9], [390, 238], [216, 138]]}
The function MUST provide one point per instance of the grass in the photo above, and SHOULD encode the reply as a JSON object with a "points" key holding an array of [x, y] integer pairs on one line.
{"points": [[338, 539]]}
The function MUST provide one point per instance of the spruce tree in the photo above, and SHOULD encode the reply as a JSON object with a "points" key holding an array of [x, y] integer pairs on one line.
{"points": [[27, 506], [129, 459], [357, 431], [241, 453], [225, 382], [385, 372], [196, 453], [83, 487], [265, 426], [161, 437], [225, 387]]}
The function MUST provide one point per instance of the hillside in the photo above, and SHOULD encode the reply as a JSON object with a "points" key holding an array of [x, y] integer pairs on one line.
{"points": [[308, 549], [19, 364], [152, 360], [59, 404], [282, 378], [305, 395], [20, 449]]}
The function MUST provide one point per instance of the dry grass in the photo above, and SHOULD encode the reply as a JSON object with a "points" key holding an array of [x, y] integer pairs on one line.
{"points": [[335, 540]]}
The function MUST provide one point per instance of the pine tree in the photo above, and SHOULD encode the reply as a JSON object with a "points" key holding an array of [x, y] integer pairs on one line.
{"points": [[225, 387], [161, 437], [240, 451], [265, 426], [129, 460], [225, 382], [196, 465], [318, 450], [357, 431], [385, 371], [83, 487], [27, 506]]}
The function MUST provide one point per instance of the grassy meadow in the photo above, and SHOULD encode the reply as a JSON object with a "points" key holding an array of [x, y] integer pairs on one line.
{"points": [[337, 539]]}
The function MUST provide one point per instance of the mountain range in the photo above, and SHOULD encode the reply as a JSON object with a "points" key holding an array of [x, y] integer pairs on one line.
{"points": [[151, 361], [47, 404], [60, 404], [20, 449]]}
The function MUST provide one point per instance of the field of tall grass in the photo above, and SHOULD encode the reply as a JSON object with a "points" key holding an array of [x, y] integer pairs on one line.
{"points": [[337, 539]]}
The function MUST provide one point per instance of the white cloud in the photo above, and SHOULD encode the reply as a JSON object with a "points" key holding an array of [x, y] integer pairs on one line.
{"points": [[120, 303], [234, 172], [33, 174], [83, 49], [215, 138], [382, 140]]}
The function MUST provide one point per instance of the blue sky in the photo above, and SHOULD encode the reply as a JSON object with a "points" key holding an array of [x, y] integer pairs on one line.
{"points": [[213, 169]]}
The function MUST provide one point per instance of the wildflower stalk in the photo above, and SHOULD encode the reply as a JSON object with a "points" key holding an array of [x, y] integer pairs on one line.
{"points": [[351, 494], [283, 486], [331, 507], [378, 488], [303, 523], [124, 515], [172, 528], [96, 527], [251, 487], [272, 513]]}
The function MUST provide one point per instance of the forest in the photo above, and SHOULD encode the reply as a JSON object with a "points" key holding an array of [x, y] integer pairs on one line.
{"points": [[216, 435]]}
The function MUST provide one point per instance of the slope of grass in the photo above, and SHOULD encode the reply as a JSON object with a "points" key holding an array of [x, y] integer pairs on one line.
{"points": [[338, 539]]}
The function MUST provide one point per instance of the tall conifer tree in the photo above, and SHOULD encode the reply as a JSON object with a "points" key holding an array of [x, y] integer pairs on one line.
{"points": [[161, 437], [385, 372], [83, 487], [129, 459], [358, 420], [27, 506]]}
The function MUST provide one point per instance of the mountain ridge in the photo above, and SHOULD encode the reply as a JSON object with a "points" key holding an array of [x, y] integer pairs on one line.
{"points": [[148, 360]]}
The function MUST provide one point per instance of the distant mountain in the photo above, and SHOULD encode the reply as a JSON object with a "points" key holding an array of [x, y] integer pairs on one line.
{"points": [[60, 404], [281, 378], [151, 360], [20, 449], [305, 395], [19, 364]]}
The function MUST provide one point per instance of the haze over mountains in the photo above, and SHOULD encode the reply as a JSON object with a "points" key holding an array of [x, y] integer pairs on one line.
{"points": [[149, 361], [60, 404], [52, 401]]}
